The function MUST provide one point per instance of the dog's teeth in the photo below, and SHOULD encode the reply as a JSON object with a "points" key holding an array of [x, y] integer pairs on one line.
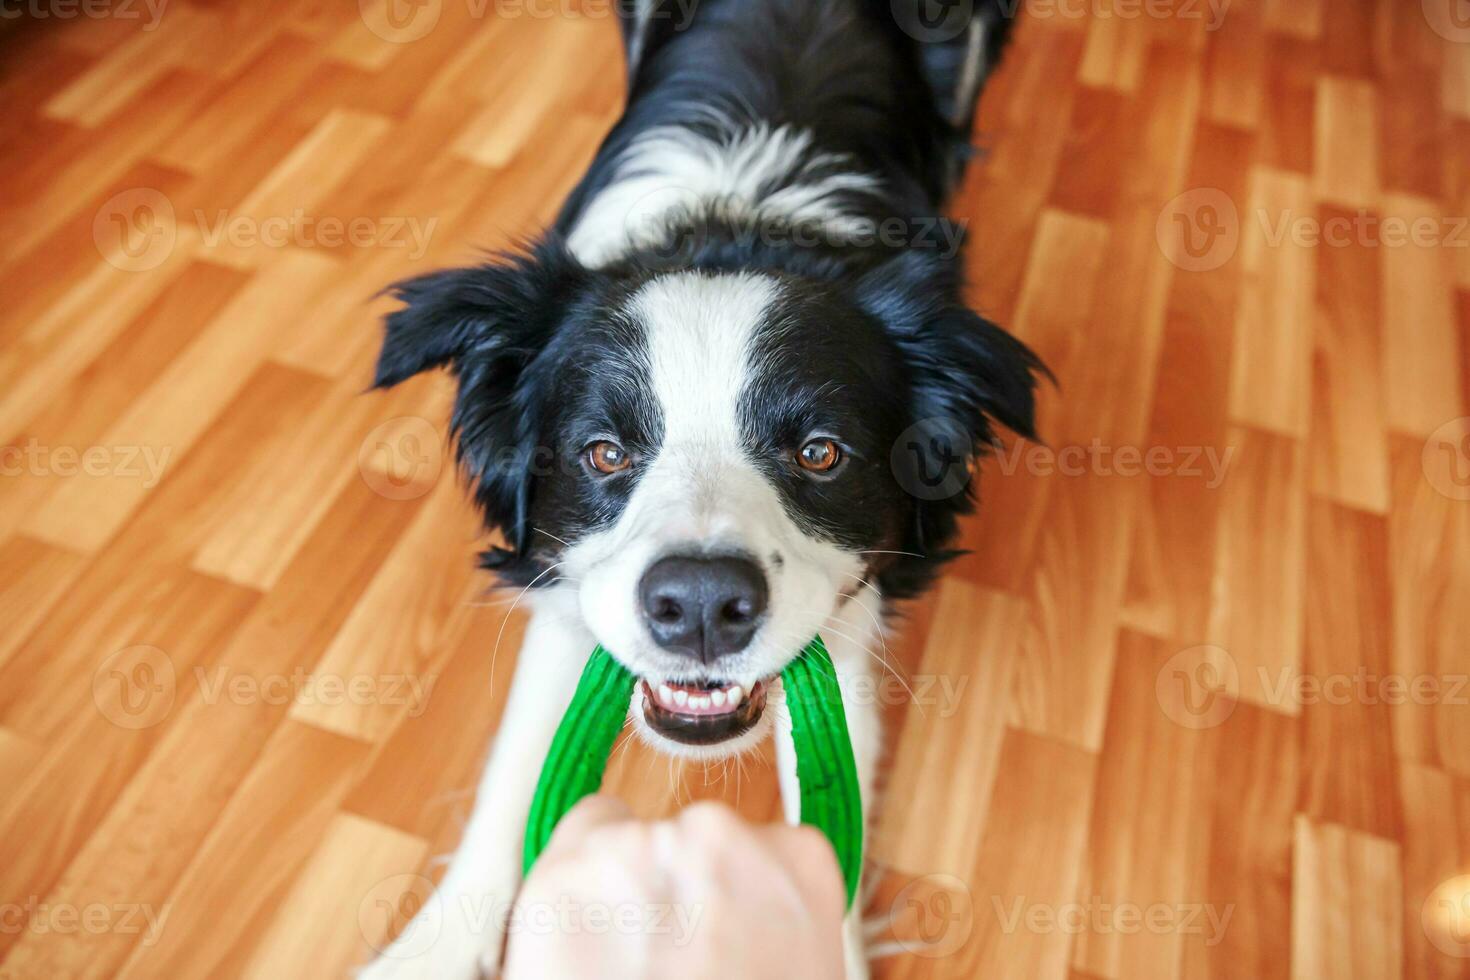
{"points": [[681, 698], [699, 702], [718, 697], [665, 694], [734, 694]]}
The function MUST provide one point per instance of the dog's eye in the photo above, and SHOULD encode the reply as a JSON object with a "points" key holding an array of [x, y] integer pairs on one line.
{"points": [[819, 456], [608, 457]]}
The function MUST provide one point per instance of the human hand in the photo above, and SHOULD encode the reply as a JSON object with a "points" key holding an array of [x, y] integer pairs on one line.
{"points": [[704, 896]]}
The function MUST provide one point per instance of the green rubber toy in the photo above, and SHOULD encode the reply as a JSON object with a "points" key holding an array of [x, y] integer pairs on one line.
{"points": [[825, 772]]}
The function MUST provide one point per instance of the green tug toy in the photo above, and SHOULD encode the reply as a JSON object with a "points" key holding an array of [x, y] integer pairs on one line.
{"points": [[830, 799]]}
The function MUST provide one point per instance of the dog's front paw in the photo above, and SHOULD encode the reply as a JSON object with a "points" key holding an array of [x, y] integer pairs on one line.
{"points": [[457, 935]]}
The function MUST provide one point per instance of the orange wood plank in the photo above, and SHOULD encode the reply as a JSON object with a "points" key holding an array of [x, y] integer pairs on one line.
{"points": [[77, 412], [1346, 904], [1148, 842], [1436, 854], [106, 724], [1289, 124], [355, 864], [1061, 691], [1297, 18], [180, 404], [424, 592], [1271, 368], [1173, 552], [1031, 860], [138, 850], [1253, 790], [1347, 123], [454, 724], [1348, 448], [1349, 690], [1256, 613], [122, 74], [33, 576], [1421, 348], [245, 868], [1428, 532], [955, 724]]}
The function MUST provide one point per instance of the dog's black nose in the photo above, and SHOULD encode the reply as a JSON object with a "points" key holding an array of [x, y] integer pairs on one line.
{"points": [[705, 607]]}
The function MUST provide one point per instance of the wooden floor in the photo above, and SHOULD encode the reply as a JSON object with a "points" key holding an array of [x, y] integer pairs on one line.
{"points": [[1196, 705]]}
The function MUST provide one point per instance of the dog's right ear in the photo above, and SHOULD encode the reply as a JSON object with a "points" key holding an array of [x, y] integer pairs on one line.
{"points": [[456, 315], [487, 325]]}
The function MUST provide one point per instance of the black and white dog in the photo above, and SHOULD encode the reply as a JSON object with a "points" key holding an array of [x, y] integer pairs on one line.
{"points": [[709, 409]]}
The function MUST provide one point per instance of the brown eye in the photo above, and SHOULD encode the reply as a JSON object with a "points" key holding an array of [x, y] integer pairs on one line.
{"points": [[819, 456], [608, 457]]}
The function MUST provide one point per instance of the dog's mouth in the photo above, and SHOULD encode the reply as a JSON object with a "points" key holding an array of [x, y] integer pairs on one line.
{"points": [[702, 714]]}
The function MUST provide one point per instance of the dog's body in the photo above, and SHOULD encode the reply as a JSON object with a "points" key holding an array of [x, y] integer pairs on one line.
{"points": [[707, 410]]}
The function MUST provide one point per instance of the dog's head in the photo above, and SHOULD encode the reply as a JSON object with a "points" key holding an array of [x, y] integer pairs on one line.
{"points": [[713, 462]]}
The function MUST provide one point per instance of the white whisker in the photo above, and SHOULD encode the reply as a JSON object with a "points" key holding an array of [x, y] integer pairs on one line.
{"points": [[494, 656], [864, 581], [551, 536]]}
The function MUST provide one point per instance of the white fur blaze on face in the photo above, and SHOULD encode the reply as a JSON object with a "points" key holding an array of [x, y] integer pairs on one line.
{"points": [[702, 493]]}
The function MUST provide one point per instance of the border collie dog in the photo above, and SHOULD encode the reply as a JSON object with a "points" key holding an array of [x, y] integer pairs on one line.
{"points": [[729, 401]]}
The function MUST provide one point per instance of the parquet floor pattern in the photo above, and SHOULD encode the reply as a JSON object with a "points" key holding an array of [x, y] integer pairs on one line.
{"points": [[1194, 706]]}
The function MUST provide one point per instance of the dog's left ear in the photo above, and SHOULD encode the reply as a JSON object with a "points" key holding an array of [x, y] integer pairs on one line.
{"points": [[965, 374], [963, 369], [487, 325]]}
